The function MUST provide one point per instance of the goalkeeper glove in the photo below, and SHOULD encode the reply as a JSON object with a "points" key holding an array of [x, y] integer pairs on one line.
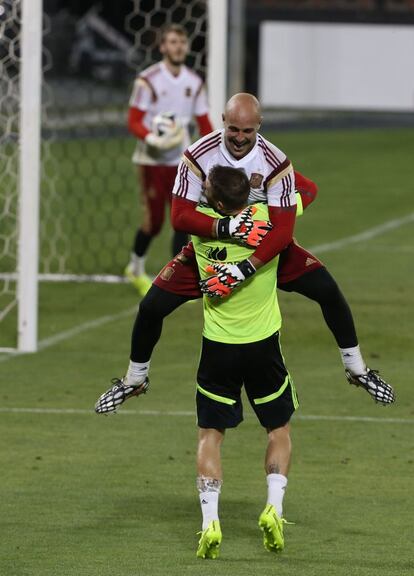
{"points": [[243, 227], [166, 141], [226, 277]]}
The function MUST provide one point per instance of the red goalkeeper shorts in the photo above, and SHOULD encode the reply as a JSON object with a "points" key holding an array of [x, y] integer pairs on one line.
{"points": [[157, 183], [180, 275]]}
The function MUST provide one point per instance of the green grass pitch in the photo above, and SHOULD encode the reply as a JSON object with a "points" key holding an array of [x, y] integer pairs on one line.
{"points": [[87, 495]]}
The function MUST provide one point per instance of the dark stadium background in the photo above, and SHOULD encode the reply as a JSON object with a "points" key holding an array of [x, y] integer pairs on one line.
{"points": [[356, 11]]}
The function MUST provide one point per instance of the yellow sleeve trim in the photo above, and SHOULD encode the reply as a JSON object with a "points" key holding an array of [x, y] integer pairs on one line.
{"points": [[299, 204], [281, 175], [191, 167]]}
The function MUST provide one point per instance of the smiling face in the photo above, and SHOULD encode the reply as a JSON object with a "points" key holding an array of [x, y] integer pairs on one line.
{"points": [[241, 120]]}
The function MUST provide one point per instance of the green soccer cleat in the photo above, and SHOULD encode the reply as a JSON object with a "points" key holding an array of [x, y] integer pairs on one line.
{"points": [[272, 527], [141, 283], [209, 543]]}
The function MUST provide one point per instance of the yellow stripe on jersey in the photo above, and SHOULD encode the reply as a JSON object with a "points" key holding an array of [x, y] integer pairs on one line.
{"points": [[143, 82], [280, 175], [192, 167]]}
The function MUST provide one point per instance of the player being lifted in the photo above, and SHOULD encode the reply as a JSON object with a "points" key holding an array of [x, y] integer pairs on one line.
{"points": [[272, 180], [171, 88], [240, 347]]}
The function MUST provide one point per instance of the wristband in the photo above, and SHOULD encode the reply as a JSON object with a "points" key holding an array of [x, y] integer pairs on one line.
{"points": [[223, 227], [246, 268]]}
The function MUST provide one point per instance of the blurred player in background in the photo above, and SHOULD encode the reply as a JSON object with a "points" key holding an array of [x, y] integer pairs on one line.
{"points": [[240, 348], [171, 90]]}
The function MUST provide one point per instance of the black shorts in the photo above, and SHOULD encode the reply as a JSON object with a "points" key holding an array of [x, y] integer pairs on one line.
{"points": [[259, 366]]}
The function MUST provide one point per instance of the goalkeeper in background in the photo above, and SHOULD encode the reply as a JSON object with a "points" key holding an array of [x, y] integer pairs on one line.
{"points": [[240, 347], [166, 88]]}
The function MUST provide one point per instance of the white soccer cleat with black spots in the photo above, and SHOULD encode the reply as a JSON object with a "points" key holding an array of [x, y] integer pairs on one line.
{"points": [[110, 400], [380, 391]]}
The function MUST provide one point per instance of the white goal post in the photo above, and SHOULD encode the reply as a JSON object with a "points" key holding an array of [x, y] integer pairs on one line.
{"points": [[217, 58], [29, 174]]}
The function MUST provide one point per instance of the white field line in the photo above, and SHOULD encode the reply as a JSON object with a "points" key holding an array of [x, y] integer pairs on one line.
{"points": [[79, 329], [186, 413], [363, 236], [80, 278], [68, 334]]}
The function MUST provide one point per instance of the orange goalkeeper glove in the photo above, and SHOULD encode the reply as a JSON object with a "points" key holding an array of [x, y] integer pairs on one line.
{"points": [[225, 278], [242, 227]]}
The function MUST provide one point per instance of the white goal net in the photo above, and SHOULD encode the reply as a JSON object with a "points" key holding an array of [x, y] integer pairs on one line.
{"points": [[9, 153], [88, 209]]}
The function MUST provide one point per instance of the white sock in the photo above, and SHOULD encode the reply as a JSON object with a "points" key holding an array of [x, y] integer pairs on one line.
{"points": [[209, 491], [137, 264], [353, 361], [209, 507], [276, 486], [137, 372]]}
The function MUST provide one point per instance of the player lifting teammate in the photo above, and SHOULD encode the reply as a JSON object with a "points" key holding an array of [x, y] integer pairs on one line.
{"points": [[240, 348], [273, 181]]}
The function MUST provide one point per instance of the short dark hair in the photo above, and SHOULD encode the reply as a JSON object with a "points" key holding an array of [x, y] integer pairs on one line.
{"points": [[176, 28], [230, 186]]}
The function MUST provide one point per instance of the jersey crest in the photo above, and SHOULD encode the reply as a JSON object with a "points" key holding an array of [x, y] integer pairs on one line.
{"points": [[256, 180]]}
